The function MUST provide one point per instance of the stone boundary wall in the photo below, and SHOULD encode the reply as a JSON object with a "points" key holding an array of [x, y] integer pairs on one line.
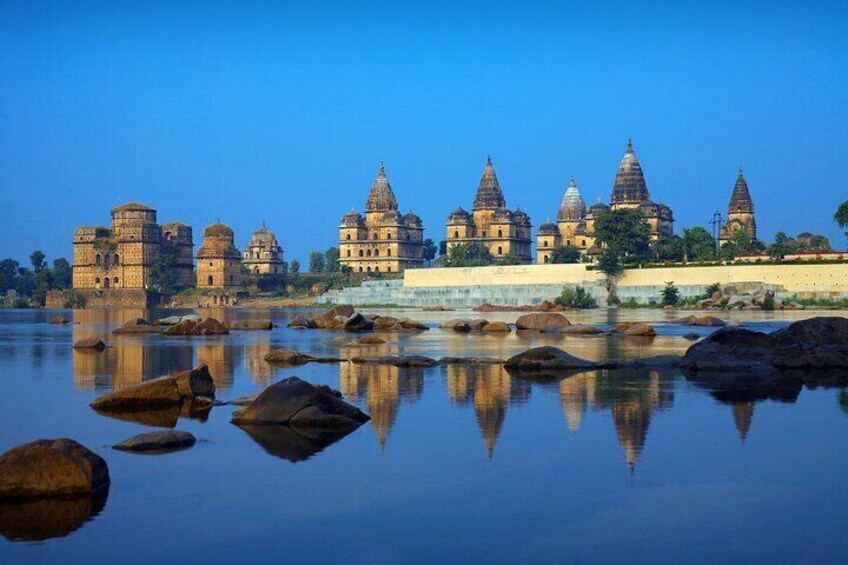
{"points": [[531, 284], [120, 298]]}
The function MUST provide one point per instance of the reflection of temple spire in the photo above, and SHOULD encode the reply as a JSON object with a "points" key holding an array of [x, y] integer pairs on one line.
{"points": [[490, 418], [576, 393], [743, 413], [631, 425]]}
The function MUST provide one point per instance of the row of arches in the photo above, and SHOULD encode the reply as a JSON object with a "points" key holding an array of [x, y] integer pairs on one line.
{"points": [[114, 282], [106, 259], [377, 236], [374, 270], [367, 253]]}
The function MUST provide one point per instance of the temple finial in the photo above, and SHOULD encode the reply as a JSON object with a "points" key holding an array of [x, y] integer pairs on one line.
{"points": [[630, 145], [488, 159]]}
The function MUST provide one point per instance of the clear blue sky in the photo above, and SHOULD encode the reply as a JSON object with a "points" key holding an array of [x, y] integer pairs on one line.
{"points": [[248, 111]]}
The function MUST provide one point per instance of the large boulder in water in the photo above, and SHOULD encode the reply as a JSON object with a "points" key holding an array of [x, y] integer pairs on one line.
{"points": [[297, 403], [164, 391], [283, 356], [815, 343], [174, 320], [209, 326], [243, 325], [59, 320], [396, 360], [51, 467], [94, 343], [138, 326], [301, 321], [358, 323], [497, 327], [542, 322]]}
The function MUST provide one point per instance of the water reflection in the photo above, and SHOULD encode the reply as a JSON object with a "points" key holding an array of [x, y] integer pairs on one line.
{"points": [[41, 519], [293, 444]]}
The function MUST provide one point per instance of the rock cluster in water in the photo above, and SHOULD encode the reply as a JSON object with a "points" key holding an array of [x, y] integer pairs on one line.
{"points": [[344, 318]]}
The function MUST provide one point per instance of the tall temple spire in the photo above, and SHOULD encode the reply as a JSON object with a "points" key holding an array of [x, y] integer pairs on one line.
{"points": [[741, 201], [381, 198], [743, 413], [630, 186], [573, 207], [489, 194]]}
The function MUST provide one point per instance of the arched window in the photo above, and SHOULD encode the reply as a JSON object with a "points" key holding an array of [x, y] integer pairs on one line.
{"points": [[407, 237], [568, 242], [256, 255], [388, 235], [376, 269], [456, 234], [361, 253], [584, 243], [348, 237], [368, 253], [116, 260], [546, 258], [247, 254], [545, 243], [484, 234], [389, 269], [106, 261], [500, 250], [348, 252], [115, 282], [376, 235], [106, 282], [500, 233], [97, 282], [209, 280], [376, 253], [360, 269], [97, 259], [368, 269], [231, 279], [389, 251], [256, 270]]}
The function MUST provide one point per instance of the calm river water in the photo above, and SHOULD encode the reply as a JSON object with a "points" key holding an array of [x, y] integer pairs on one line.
{"points": [[457, 464]]}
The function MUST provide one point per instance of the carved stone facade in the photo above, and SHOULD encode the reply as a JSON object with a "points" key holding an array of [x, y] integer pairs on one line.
{"points": [[218, 260], [490, 223], [121, 257], [384, 241], [575, 223], [740, 211], [263, 255]]}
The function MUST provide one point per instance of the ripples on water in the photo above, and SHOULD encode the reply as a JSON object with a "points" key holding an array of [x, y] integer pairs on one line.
{"points": [[468, 463]]}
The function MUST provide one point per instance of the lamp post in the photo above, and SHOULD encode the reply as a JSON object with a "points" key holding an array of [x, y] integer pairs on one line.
{"points": [[716, 223]]}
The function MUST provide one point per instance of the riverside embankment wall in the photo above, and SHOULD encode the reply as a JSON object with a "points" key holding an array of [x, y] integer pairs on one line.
{"points": [[530, 284]]}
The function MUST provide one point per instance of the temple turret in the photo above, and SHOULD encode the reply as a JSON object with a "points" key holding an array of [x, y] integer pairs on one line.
{"points": [[381, 198], [630, 187], [740, 211], [489, 194]]}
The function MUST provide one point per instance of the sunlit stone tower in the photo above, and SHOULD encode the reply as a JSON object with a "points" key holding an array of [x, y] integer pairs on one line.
{"points": [[740, 211]]}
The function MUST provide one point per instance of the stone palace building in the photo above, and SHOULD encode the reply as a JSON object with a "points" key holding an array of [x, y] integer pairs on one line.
{"points": [[120, 258], [490, 223], [384, 241], [218, 259], [263, 255]]}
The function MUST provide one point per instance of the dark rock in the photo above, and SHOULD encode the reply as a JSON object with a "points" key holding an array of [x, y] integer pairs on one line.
{"points": [[547, 358], [815, 343], [369, 340], [57, 467], [289, 357], [302, 322], [657, 362], [396, 360], [580, 329], [90, 343], [497, 327], [59, 320], [691, 336], [158, 442], [412, 325], [542, 322], [246, 325], [358, 323], [297, 403], [209, 326], [157, 416], [470, 361], [172, 389], [384, 323], [328, 321], [345, 310]]}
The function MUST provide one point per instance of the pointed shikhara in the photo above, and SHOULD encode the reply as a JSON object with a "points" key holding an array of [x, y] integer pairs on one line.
{"points": [[382, 241], [575, 223], [505, 233], [740, 211]]}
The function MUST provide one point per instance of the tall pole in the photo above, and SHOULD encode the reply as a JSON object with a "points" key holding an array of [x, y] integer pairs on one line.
{"points": [[716, 222]]}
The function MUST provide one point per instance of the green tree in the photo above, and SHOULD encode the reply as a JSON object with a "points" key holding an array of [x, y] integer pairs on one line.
{"points": [[8, 274], [509, 259], [612, 266], [162, 278], [576, 297], [698, 244], [469, 255], [443, 248], [294, 267], [741, 243], [624, 232], [331, 260], [670, 294], [430, 250], [668, 248], [317, 262], [62, 273], [781, 246], [841, 217], [37, 259], [565, 254]]}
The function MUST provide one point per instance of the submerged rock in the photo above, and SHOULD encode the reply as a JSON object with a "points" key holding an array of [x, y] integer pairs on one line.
{"points": [[706, 321], [691, 336], [293, 444], [396, 360], [59, 320], [51, 467], [470, 361], [580, 329], [94, 343], [38, 519], [297, 403], [547, 358], [168, 390], [542, 322], [285, 356], [138, 326], [170, 440]]}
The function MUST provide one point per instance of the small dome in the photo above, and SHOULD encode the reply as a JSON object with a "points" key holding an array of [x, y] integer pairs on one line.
{"points": [[218, 230], [132, 207], [598, 208], [548, 228], [459, 215], [503, 215], [521, 218], [263, 236], [411, 219], [352, 219], [573, 207]]}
